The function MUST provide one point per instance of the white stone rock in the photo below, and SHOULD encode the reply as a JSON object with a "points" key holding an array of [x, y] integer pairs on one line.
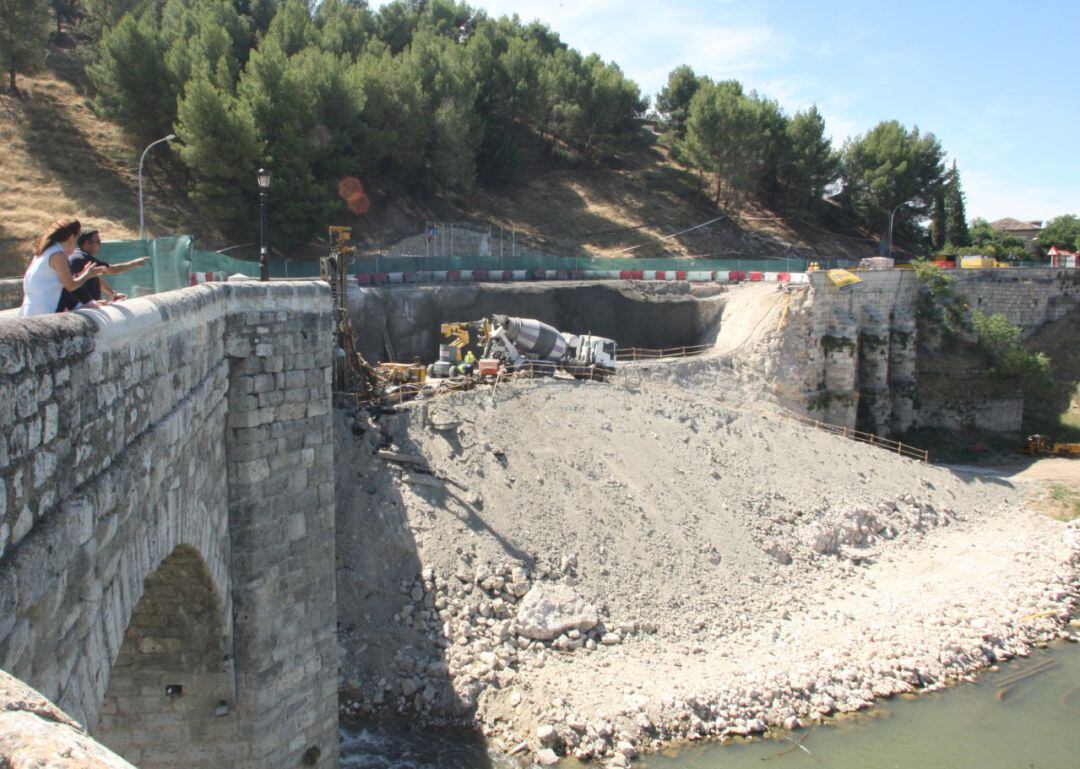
{"points": [[548, 611]]}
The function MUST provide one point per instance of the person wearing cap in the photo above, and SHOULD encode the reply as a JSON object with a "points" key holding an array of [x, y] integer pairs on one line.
{"points": [[89, 293]]}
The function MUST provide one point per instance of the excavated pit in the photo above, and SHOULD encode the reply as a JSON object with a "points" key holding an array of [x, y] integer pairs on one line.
{"points": [[653, 316]]}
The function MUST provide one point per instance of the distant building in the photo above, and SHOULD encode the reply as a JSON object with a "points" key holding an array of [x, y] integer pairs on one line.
{"points": [[1060, 258], [1026, 231]]}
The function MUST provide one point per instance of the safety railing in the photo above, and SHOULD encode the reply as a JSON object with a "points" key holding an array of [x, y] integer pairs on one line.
{"points": [[648, 353], [895, 447]]}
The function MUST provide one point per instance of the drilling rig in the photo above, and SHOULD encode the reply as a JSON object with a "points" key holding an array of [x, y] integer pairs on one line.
{"points": [[351, 372]]}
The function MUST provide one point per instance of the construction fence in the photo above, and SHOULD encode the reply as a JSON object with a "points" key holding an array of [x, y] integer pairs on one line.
{"points": [[175, 262]]}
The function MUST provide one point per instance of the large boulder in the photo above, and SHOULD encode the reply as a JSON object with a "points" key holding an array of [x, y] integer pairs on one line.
{"points": [[36, 733], [548, 610]]}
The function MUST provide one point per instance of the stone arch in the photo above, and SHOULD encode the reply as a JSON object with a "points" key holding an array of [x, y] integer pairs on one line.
{"points": [[171, 692]]}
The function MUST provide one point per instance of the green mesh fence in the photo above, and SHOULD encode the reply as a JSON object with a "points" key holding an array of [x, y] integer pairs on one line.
{"points": [[167, 269], [174, 259], [535, 261]]}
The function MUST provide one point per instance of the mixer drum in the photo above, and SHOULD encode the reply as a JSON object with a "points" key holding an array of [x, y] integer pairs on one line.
{"points": [[532, 337]]}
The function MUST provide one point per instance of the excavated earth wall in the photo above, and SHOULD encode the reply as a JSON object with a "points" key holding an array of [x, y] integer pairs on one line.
{"points": [[633, 314]]}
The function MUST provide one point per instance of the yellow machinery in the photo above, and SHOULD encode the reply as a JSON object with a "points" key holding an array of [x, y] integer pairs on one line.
{"points": [[843, 280], [401, 373], [1041, 446], [458, 333], [977, 262]]}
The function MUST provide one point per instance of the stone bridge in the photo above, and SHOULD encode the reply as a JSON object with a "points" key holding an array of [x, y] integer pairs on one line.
{"points": [[167, 523]]}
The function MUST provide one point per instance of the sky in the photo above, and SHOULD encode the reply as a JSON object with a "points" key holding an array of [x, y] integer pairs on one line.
{"points": [[997, 82]]}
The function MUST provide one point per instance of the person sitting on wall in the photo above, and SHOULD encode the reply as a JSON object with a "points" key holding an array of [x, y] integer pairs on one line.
{"points": [[49, 273], [90, 293]]}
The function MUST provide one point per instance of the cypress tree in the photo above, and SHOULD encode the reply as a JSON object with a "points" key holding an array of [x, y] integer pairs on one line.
{"points": [[937, 221], [956, 228]]}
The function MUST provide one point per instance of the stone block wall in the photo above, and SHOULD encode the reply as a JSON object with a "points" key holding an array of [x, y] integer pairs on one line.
{"points": [[1027, 297], [11, 292], [281, 498], [860, 357], [190, 422]]}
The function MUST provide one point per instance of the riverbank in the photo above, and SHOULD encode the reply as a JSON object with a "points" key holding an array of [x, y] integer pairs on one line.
{"points": [[1024, 714], [686, 571]]}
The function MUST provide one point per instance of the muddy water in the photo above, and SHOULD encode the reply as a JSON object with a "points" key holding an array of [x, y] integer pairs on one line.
{"points": [[1002, 722]]}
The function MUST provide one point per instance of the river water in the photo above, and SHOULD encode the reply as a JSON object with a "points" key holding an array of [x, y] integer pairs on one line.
{"points": [[1005, 721]]}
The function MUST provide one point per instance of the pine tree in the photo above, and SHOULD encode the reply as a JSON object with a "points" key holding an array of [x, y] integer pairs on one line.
{"points": [[220, 144], [673, 101], [811, 164], [956, 227], [24, 30], [720, 128], [133, 82], [892, 169]]}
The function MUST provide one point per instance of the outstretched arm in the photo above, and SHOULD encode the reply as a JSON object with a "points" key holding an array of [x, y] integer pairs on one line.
{"points": [[120, 269]]}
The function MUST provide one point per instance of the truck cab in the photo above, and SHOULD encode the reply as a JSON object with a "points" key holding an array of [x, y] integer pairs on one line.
{"points": [[589, 350]]}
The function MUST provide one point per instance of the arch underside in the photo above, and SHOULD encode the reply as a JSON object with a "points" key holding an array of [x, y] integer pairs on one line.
{"points": [[170, 698]]}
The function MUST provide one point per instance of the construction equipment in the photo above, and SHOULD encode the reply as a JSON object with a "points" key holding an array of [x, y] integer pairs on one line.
{"points": [[843, 280], [1041, 446], [351, 372], [401, 373], [518, 343], [977, 262]]}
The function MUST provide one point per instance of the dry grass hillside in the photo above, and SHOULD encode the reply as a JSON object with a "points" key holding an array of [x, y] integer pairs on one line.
{"points": [[632, 206], [61, 158]]}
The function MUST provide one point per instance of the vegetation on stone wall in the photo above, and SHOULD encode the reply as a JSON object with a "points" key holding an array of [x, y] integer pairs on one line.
{"points": [[997, 340], [833, 343]]}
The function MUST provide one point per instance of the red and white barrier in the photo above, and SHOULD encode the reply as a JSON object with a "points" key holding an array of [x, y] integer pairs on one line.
{"points": [[476, 276], [195, 278]]}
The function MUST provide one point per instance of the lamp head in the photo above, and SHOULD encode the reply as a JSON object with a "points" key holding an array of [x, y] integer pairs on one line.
{"points": [[263, 176]]}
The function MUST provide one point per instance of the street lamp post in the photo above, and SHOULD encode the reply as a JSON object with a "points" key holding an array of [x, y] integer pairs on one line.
{"points": [[142, 224], [892, 214], [263, 176]]}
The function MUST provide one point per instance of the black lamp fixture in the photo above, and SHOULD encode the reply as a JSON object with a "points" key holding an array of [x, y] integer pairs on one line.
{"points": [[263, 175]]}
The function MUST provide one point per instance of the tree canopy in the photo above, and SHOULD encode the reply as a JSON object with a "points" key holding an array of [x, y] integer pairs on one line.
{"points": [[434, 96], [421, 95], [892, 170], [1063, 232]]}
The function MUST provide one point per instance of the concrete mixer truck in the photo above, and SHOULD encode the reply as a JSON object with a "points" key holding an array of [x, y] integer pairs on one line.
{"points": [[525, 342]]}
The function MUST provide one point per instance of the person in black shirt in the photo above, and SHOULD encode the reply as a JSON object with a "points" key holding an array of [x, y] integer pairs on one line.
{"points": [[89, 293]]}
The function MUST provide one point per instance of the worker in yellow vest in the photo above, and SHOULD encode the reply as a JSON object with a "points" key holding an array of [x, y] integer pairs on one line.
{"points": [[467, 364]]}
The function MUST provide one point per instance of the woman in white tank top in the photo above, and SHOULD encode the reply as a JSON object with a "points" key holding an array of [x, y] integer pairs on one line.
{"points": [[49, 271]]}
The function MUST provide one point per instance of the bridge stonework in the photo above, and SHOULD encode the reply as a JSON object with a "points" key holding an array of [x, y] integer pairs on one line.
{"points": [[166, 523]]}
